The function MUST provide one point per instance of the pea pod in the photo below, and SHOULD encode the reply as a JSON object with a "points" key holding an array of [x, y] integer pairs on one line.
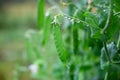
{"points": [[63, 54]]}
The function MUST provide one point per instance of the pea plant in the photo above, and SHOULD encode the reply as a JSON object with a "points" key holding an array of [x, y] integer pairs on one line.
{"points": [[86, 34]]}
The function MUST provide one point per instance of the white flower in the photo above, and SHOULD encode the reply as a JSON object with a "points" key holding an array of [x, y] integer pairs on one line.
{"points": [[33, 68]]}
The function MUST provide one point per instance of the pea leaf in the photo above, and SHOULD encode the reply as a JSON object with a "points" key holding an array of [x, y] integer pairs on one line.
{"points": [[114, 27], [93, 23], [117, 5], [92, 19]]}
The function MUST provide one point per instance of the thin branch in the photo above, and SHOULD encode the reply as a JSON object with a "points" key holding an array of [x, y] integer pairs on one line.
{"points": [[118, 43], [106, 76], [77, 20], [107, 53], [109, 16], [116, 62], [118, 13], [105, 28]]}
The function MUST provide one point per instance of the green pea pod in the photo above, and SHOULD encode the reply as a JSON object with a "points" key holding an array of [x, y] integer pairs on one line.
{"points": [[40, 14], [75, 38], [47, 29], [63, 54]]}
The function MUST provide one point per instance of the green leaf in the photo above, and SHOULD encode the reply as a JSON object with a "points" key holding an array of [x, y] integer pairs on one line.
{"points": [[47, 29], [63, 54], [117, 5], [95, 33], [93, 23], [114, 27], [40, 14], [92, 19]]}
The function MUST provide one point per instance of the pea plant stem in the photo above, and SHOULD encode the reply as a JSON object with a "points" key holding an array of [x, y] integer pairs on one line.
{"points": [[105, 28], [106, 75], [118, 43], [118, 13], [104, 37], [106, 51], [109, 16]]}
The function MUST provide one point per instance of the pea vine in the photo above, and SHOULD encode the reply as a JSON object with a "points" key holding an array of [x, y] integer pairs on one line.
{"points": [[86, 33]]}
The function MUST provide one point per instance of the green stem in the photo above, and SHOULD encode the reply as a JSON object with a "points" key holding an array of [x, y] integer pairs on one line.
{"points": [[105, 28], [106, 76], [109, 16], [118, 43], [116, 62], [77, 20], [106, 51], [118, 13]]}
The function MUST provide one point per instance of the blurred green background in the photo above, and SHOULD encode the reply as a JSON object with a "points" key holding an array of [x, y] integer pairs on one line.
{"points": [[16, 18]]}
